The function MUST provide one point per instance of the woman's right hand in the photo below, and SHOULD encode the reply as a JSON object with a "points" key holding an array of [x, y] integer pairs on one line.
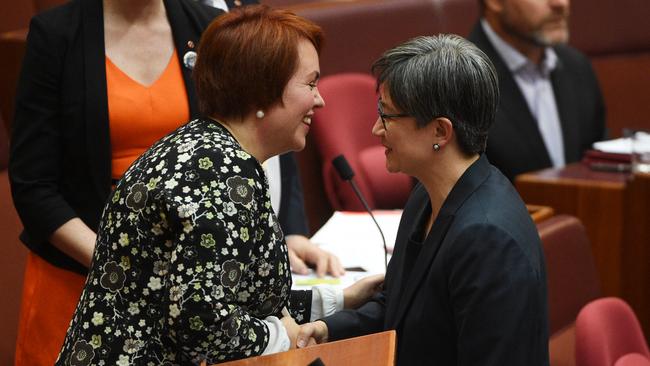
{"points": [[291, 327], [361, 291]]}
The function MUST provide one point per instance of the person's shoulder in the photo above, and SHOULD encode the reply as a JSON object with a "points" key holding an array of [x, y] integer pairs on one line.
{"points": [[571, 56], [58, 19], [496, 207]]}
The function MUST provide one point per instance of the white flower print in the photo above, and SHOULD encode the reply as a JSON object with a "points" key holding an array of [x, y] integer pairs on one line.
{"points": [[185, 240], [154, 283], [187, 210], [98, 318]]}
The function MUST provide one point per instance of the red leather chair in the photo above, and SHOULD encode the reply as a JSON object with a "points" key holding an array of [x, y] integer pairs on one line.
{"points": [[607, 330], [633, 359], [344, 127], [572, 282]]}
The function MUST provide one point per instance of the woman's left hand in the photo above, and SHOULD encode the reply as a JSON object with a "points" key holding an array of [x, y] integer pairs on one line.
{"points": [[302, 252], [361, 291]]}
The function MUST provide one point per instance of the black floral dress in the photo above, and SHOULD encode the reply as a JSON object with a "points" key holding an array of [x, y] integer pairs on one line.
{"points": [[189, 259]]}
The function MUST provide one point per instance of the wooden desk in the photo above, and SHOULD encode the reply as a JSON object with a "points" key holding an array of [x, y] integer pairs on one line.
{"points": [[374, 349], [615, 211]]}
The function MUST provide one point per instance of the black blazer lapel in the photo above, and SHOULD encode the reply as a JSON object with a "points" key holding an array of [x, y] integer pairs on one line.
{"points": [[513, 108], [397, 305], [96, 106], [393, 283], [399, 302], [566, 99], [186, 40], [188, 20]]}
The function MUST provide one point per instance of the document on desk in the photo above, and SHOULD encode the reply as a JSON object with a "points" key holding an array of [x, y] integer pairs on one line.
{"points": [[354, 238], [306, 282]]}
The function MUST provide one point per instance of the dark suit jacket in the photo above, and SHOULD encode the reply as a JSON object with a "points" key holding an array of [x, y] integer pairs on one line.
{"points": [[60, 149], [473, 292], [515, 144]]}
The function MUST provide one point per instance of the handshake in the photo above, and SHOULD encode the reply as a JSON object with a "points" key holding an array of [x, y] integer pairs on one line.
{"points": [[316, 332]]}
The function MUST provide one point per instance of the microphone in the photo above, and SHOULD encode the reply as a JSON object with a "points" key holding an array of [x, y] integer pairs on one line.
{"points": [[346, 173]]}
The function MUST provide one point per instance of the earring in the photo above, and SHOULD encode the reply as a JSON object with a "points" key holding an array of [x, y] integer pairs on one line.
{"points": [[436, 147], [259, 114]]}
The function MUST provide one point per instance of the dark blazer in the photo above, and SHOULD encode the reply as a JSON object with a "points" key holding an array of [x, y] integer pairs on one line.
{"points": [[292, 216], [473, 292], [515, 144], [60, 149]]}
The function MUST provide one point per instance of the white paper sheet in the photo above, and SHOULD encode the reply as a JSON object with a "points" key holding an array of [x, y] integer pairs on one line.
{"points": [[354, 238]]}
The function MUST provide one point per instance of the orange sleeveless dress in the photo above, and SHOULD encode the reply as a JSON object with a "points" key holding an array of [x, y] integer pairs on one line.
{"points": [[138, 116]]}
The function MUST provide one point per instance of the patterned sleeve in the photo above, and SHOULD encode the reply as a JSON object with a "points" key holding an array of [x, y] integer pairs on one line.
{"points": [[224, 268], [300, 305]]}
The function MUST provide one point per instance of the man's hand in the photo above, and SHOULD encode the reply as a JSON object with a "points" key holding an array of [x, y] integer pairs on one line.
{"points": [[312, 333], [361, 291], [303, 252]]}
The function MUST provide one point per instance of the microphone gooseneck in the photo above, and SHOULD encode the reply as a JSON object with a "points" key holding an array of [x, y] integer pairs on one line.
{"points": [[346, 173]]}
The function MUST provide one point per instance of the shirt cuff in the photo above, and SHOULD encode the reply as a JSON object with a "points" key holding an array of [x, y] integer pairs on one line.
{"points": [[278, 337], [325, 301]]}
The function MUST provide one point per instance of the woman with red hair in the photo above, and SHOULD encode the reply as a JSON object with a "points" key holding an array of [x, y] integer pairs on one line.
{"points": [[190, 263]]}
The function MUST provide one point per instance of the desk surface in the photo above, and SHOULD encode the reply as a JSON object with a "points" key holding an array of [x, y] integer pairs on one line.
{"points": [[577, 174], [374, 349]]}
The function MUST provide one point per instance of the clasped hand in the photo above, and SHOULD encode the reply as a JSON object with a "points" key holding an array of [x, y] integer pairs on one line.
{"points": [[354, 296]]}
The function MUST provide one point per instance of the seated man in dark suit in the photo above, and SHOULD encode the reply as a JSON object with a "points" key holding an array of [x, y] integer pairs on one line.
{"points": [[551, 108]]}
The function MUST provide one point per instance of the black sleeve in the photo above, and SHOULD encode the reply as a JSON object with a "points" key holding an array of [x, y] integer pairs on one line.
{"points": [[498, 297], [293, 218], [367, 319], [36, 150]]}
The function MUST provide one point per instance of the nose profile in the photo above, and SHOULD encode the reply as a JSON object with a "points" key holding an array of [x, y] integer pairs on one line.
{"points": [[378, 127], [319, 101]]}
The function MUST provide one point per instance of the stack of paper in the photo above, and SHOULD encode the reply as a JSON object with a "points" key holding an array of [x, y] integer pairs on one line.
{"points": [[354, 238]]}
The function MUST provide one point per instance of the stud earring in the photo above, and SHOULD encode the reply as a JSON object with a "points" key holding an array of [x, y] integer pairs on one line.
{"points": [[259, 114], [436, 147]]}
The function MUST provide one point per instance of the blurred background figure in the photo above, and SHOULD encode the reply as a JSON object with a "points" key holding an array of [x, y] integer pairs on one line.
{"points": [[551, 108]]}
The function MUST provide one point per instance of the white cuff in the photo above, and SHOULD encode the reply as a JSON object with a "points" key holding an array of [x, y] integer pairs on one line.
{"points": [[325, 301], [278, 337]]}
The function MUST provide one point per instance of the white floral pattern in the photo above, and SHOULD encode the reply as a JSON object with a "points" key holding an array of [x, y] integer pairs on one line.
{"points": [[189, 258]]}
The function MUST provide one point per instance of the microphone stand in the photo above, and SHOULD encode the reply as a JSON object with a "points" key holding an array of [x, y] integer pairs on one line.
{"points": [[365, 205]]}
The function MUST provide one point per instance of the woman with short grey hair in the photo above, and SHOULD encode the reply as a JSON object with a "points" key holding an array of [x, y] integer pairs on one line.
{"points": [[466, 284]]}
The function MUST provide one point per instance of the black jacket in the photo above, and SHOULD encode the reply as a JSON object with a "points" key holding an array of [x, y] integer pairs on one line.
{"points": [[515, 144], [473, 292]]}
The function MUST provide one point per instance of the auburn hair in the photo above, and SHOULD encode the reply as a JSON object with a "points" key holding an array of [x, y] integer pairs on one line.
{"points": [[246, 58]]}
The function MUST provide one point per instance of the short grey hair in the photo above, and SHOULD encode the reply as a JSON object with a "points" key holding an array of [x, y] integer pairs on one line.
{"points": [[443, 76]]}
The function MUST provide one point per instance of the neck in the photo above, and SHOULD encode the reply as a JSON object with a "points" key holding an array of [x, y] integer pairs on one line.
{"points": [[526, 46], [131, 10], [441, 179], [246, 133]]}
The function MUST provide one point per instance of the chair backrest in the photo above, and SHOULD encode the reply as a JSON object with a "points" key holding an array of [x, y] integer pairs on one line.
{"points": [[572, 281], [12, 262], [358, 32], [374, 349], [606, 330], [633, 359], [344, 127]]}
